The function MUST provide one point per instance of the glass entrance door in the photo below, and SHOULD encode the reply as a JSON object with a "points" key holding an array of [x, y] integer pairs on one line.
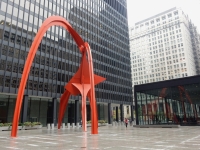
{"points": [[3, 108]]}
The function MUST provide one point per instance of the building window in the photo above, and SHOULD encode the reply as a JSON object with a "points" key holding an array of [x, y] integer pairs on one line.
{"points": [[163, 18]]}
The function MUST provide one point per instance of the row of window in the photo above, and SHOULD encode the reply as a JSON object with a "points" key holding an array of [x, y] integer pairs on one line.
{"points": [[161, 79], [56, 52], [177, 72], [50, 87], [155, 27], [63, 54], [42, 73], [59, 65], [160, 18]]}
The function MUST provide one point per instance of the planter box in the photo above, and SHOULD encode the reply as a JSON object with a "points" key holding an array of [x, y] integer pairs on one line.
{"points": [[19, 127], [103, 124], [3, 128], [32, 127], [27, 127], [37, 126], [99, 124], [9, 128]]}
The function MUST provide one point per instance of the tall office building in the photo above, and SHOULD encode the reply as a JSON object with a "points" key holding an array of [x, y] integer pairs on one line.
{"points": [[101, 23], [195, 38], [162, 48]]}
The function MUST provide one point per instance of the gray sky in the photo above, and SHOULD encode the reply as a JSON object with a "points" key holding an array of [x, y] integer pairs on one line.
{"points": [[141, 9]]}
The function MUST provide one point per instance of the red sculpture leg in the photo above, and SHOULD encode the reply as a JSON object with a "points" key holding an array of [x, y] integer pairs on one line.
{"points": [[84, 114], [94, 125], [63, 105], [84, 111], [83, 88], [94, 118]]}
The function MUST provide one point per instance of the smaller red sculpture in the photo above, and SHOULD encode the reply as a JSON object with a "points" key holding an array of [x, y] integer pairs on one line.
{"points": [[81, 84]]}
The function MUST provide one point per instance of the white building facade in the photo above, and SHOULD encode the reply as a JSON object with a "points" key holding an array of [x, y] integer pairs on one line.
{"points": [[161, 48]]}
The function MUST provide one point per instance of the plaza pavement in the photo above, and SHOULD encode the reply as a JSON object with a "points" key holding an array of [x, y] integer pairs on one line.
{"points": [[109, 137]]}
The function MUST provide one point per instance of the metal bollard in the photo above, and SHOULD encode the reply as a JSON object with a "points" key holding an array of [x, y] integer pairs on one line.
{"points": [[48, 126], [52, 126], [68, 125], [77, 125], [73, 125], [63, 125]]}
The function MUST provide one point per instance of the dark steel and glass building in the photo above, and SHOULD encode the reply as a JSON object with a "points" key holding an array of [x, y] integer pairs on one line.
{"points": [[102, 23], [174, 101]]}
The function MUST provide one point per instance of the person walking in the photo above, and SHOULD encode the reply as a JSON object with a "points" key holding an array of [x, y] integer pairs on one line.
{"points": [[126, 122]]}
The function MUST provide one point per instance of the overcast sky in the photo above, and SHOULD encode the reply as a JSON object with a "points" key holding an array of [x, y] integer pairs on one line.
{"points": [[141, 9]]}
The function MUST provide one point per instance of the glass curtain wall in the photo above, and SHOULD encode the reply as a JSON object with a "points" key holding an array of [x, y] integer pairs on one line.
{"points": [[39, 110]]}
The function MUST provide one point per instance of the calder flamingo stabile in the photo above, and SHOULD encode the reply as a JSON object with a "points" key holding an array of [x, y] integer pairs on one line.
{"points": [[82, 86]]}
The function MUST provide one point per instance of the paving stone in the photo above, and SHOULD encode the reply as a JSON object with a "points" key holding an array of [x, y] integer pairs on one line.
{"points": [[109, 137]]}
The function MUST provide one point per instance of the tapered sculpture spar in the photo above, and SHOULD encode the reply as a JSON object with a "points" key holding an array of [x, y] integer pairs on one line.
{"points": [[82, 82]]}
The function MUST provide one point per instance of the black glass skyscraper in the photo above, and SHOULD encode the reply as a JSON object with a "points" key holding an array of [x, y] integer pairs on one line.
{"points": [[101, 23]]}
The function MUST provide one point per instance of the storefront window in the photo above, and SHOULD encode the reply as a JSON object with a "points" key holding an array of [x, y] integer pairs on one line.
{"points": [[3, 108], [33, 109], [11, 107], [43, 111]]}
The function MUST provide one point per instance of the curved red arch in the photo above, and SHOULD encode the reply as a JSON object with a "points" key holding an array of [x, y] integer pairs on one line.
{"points": [[59, 21]]}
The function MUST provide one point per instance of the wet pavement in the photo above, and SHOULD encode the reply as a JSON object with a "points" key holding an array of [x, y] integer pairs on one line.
{"points": [[109, 137]]}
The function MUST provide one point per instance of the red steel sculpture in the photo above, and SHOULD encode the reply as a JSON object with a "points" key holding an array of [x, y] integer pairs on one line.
{"points": [[82, 82]]}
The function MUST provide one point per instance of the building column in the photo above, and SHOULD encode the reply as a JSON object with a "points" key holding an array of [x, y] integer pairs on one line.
{"points": [[109, 113], [54, 117], [132, 114], [122, 112], [77, 112], [166, 109], [117, 117], [195, 111], [24, 109], [199, 108], [136, 109]]}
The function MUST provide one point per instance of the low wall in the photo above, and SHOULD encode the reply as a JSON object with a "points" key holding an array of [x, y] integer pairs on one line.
{"points": [[156, 126]]}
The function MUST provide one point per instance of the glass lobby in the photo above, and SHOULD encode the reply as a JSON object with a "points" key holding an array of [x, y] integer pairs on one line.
{"points": [[172, 105], [41, 109]]}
